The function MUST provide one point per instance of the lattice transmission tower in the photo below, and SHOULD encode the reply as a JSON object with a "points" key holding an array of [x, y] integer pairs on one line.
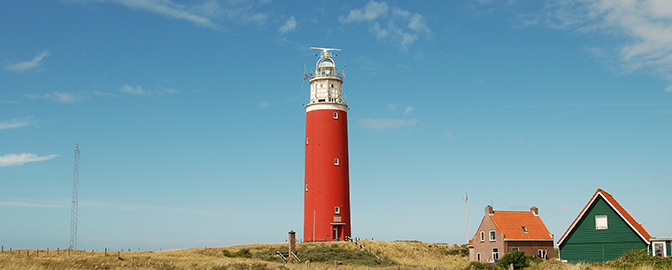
{"points": [[75, 201]]}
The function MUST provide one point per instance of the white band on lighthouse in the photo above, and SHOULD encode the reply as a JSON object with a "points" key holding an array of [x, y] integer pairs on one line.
{"points": [[326, 106]]}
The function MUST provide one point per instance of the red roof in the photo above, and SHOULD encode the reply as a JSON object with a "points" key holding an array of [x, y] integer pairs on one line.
{"points": [[638, 228], [511, 223]]}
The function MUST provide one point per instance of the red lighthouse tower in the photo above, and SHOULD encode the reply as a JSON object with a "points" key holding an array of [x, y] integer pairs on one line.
{"points": [[327, 188]]}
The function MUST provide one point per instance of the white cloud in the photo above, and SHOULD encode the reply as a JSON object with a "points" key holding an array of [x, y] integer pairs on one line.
{"points": [[669, 88], [370, 12], [23, 66], [59, 97], [139, 91], [170, 9], [20, 159], [34, 205], [646, 27], [289, 26], [207, 13], [389, 24], [392, 107], [408, 110], [386, 123], [16, 123], [264, 104]]}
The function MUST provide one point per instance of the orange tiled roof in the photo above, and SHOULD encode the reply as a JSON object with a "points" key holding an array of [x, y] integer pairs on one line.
{"points": [[510, 223], [639, 229]]}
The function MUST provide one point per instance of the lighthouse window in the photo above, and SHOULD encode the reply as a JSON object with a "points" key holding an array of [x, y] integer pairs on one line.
{"points": [[337, 210], [335, 115], [306, 187], [332, 86], [307, 140], [335, 161]]}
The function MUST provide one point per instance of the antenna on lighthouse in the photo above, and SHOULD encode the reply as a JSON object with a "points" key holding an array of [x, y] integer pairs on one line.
{"points": [[326, 52]]}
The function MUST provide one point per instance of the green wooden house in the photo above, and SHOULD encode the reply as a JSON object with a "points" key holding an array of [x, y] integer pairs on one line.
{"points": [[603, 231]]}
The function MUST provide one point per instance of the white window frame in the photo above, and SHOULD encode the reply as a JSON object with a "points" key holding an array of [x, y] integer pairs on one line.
{"points": [[515, 249], [335, 115], [336, 161], [478, 257], [482, 236], [493, 236], [337, 209], [601, 222], [542, 253], [495, 254]]}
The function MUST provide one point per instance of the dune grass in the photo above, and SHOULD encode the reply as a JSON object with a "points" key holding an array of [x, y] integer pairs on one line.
{"points": [[395, 255]]}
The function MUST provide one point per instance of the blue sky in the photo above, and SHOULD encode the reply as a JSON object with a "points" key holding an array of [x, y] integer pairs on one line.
{"points": [[190, 121]]}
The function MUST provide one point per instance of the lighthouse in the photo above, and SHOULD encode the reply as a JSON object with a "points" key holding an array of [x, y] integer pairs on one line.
{"points": [[326, 187]]}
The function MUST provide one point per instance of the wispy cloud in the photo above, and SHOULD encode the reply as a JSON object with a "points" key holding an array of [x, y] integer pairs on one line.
{"points": [[139, 91], [23, 66], [34, 205], [644, 26], [16, 123], [384, 123], [289, 26], [207, 13], [408, 110], [389, 23], [59, 97], [170, 9], [20, 159], [264, 104]]}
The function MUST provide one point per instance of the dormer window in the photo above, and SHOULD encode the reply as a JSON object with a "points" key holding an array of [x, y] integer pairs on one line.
{"points": [[524, 228]]}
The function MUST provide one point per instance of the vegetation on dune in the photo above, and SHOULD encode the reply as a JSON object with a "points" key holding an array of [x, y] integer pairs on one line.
{"points": [[395, 255], [329, 253]]}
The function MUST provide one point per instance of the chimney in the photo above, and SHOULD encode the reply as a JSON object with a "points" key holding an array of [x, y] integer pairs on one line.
{"points": [[489, 211], [534, 210], [292, 243]]}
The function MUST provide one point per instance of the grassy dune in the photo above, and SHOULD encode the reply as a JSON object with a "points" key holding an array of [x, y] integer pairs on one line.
{"points": [[393, 255]]}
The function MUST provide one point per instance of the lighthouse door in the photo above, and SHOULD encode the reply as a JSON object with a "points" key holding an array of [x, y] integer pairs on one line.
{"points": [[336, 238]]}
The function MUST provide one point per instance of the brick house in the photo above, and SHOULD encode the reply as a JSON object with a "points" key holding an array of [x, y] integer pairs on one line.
{"points": [[504, 231]]}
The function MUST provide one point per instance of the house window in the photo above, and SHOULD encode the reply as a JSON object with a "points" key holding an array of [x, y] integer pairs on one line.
{"points": [[514, 249], [478, 257], [335, 115], [601, 223], [335, 161], [482, 236], [493, 236], [524, 228], [337, 210], [542, 253], [495, 254]]}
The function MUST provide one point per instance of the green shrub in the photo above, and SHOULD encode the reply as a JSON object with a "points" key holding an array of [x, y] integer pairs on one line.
{"points": [[516, 257], [329, 253], [243, 253], [480, 265]]}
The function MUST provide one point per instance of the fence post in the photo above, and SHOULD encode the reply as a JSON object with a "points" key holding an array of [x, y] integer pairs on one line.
{"points": [[92, 252], [37, 252], [105, 252], [58, 250]]}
